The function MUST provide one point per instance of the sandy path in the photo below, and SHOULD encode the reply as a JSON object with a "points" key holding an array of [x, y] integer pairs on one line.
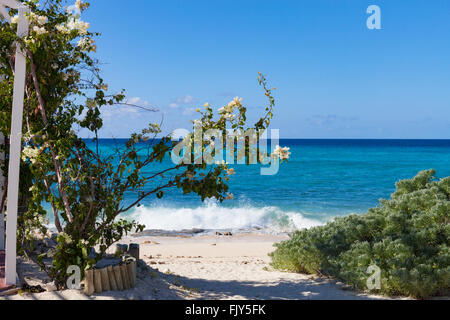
{"points": [[213, 268], [235, 268]]}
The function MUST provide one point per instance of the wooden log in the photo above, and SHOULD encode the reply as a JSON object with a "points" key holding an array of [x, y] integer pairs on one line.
{"points": [[125, 276], [112, 279], [132, 272], [89, 282], [135, 271], [133, 250], [98, 281], [105, 279], [118, 277]]}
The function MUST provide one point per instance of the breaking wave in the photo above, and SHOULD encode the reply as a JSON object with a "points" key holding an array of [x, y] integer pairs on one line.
{"points": [[212, 216]]}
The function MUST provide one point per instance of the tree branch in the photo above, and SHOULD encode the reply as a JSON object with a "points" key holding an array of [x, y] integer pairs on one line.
{"points": [[55, 161]]}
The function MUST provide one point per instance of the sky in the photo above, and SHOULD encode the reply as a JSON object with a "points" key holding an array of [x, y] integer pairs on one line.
{"points": [[335, 78]]}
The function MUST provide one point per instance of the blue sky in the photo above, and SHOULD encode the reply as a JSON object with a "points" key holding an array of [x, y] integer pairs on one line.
{"points": [[334, 77]]}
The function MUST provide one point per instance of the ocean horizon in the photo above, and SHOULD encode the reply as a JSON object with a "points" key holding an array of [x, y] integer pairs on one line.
{"points": [[324, 179]]}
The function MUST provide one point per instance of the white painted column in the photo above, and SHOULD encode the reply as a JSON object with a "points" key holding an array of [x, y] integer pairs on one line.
{"points": [[5, 15], [14, 154], [2, 176], [2, 181]]}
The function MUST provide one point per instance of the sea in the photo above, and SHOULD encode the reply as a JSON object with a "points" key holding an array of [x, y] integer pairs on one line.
{"points": [[323, 179]]}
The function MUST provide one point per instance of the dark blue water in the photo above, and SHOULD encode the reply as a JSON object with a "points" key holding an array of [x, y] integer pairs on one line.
{"points": [[323, 179]]}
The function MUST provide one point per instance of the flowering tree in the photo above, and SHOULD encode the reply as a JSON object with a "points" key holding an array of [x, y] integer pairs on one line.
{"points": [[64, 90]]}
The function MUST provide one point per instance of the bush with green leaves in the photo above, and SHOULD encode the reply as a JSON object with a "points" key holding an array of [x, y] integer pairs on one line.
{"points": [[407, 237]]}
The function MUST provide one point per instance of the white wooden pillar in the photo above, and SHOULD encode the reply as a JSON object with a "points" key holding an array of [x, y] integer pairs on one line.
{"points": [[15, 144], [2, 157], [2, 176], [2, 182]]}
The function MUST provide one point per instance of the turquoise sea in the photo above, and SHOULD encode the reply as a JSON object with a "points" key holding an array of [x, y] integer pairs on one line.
{"points": [[322, 180]]}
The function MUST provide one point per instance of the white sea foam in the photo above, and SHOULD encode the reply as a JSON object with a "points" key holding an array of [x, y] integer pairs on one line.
{"points": [[212, 216]]}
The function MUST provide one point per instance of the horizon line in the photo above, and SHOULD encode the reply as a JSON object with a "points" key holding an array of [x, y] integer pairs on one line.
{"points": [[422, 139]]}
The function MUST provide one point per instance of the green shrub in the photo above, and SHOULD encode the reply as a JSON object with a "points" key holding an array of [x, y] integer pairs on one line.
{"points": [[407, 237]]}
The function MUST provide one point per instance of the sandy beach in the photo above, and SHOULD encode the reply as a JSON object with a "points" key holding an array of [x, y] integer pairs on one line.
{"points": [[205, 267]]}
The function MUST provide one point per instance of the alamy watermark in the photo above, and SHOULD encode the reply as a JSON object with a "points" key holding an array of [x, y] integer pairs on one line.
{"points": [[74, 280], [232, 147], [374, 280], [374, 20]]}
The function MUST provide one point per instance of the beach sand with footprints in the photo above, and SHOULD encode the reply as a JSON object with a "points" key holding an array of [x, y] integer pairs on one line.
{"points": [[204, 267]]}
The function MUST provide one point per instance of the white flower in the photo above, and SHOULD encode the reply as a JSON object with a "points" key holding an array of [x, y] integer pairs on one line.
{"points": [[79, 5], [228, 116], [54, 66], [41, 20], [72, 25], [230, 172], [87, 44], [83, 27], [15, 19], [30, 153], [62, 28], [39, 30], [66, 237], [235, 102], [282, 153], [80, 26], [229, 108]]}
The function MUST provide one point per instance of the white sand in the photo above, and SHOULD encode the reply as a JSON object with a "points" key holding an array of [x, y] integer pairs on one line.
{"points": [[210, 267]]}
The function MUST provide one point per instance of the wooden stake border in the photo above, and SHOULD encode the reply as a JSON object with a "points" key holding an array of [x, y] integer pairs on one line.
{"points": [[111, 278]]}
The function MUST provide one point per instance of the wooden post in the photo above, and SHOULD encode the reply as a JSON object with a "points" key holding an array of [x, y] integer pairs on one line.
{"points": [[98, 281], [89, 282], [133, 250], [125, 276], [118, 277], [132, 272], [15, 143], [2, 182], [121, 248], [2, 230], [112, 279], [105, 279]]}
